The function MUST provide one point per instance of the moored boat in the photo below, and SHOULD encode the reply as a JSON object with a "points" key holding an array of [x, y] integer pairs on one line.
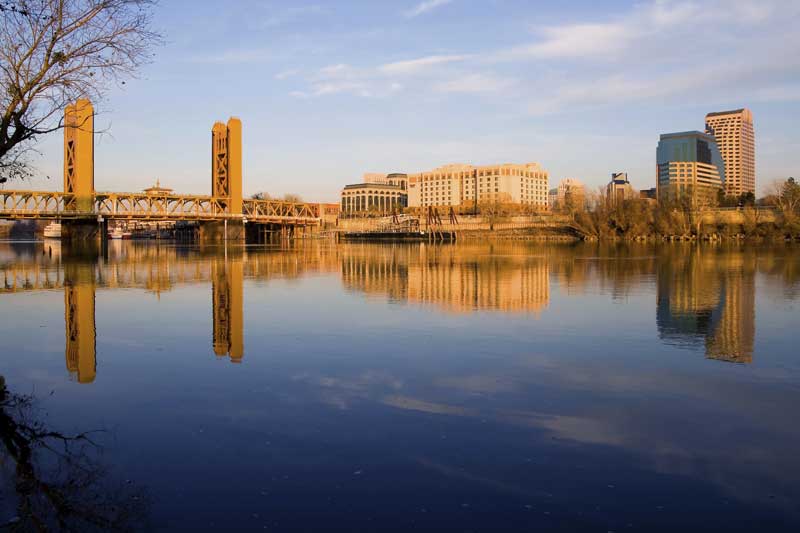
{"points": [[52, 231], [119, 233]]}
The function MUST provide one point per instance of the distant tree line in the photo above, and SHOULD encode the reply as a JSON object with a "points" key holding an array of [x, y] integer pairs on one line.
{"points": [[640, 219], [288, 197]]}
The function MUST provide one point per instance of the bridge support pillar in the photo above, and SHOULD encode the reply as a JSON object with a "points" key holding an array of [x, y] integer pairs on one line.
{"points": [[216, 231], [84, 231]]}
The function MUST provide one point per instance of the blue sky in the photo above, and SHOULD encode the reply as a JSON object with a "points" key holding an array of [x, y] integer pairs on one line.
{"points": [[330, 90]]}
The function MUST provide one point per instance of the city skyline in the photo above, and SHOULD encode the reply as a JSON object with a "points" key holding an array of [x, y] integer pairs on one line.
{"points": [[395, 88]]}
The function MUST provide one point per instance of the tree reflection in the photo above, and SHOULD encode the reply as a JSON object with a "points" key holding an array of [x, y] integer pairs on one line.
{"points": [[57, 479]]}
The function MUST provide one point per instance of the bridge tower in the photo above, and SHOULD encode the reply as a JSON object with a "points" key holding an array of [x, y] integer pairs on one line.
{"points": [[79, 321], [226, 180], [79, 173], [227, 283], [79, 156], [226, 164]]}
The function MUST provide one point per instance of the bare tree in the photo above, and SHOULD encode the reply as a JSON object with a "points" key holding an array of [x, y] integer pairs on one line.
{"points": [[261, 196], [786, 194], [291, 197], [53, 52]]}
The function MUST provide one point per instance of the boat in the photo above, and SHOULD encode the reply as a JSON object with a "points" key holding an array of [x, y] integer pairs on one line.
{"points": [[52, 231], [119, 233]]}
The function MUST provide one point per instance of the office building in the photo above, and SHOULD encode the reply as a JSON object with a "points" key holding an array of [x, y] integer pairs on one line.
{"points": [[689, 167], [619, 189], [733, 131]]}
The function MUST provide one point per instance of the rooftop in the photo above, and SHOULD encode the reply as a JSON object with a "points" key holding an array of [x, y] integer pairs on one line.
{"points": [[732, 112], [386, 186], [680, 134]]}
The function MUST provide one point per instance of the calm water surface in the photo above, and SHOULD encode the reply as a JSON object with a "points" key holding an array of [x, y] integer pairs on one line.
{"points": [[505, 387]]}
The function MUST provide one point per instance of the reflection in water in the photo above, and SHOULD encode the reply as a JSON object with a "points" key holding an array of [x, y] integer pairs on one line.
{"points": [[552, 401], [79, 320], [227, 289], [461, 278], [705, 297], [708, 299], [57, 481]]}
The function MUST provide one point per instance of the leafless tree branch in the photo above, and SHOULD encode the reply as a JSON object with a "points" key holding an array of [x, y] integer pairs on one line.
{"points": [[53, 52]]}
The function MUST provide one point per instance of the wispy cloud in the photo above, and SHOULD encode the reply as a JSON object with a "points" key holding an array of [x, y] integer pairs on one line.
{"points": [[743, 50], [234, 56], [292, 14], [286, 74], [425, 7], [473, 83], [651, 29], [415, 65]]}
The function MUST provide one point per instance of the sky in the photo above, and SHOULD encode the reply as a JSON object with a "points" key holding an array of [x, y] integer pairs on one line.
{"points": [[330, 90]]}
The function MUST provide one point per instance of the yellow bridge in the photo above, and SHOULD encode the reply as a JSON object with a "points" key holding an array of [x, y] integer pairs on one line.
{"points": [[83, 211]]}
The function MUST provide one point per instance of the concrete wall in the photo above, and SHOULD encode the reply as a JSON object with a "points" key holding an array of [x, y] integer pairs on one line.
{"points": [[465, 223]]}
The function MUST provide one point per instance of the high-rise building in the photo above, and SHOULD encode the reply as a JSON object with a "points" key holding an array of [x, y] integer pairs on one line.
{"points": [[619, 189], [689, 166], [454, 185], [735, 137]]}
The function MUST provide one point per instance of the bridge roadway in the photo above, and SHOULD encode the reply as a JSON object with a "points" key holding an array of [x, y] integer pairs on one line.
{"points": [[20, 204]]}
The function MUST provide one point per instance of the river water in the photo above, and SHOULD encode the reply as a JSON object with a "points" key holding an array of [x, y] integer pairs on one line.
{"points": [[359, 387]]}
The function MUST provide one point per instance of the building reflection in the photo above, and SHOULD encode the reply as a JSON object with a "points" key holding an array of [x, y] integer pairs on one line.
{"points": [[462, 278], [705, 296], [707, 301]]}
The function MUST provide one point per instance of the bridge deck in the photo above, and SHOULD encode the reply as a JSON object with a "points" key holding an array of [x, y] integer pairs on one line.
{"points": [[16, 205]]}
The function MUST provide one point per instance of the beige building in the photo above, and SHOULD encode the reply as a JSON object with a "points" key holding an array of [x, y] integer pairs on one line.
{"points": [[396, 178], [570, 192], [733, 131], [454, 185], [379, 198]]}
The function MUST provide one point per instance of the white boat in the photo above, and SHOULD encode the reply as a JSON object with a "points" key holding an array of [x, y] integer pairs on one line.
{"points": [[52, 231], [119, 233]]}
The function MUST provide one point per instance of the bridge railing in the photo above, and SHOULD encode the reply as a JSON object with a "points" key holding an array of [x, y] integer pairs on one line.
{"points": [[39, 204], [280, 211], [33, 204], [162, 207]]}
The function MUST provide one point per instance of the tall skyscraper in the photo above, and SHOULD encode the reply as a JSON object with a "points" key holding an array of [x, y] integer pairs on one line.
{"points": [[689, 166], [735, 137]]}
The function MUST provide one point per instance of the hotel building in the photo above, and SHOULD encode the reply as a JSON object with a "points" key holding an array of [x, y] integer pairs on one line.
{"points": [[689, 165], [454, 185], [733, 131], [379, 193]]}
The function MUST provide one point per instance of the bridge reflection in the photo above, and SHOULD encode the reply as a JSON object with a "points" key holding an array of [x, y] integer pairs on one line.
{"points": [[704, 299], [79, 321]]}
